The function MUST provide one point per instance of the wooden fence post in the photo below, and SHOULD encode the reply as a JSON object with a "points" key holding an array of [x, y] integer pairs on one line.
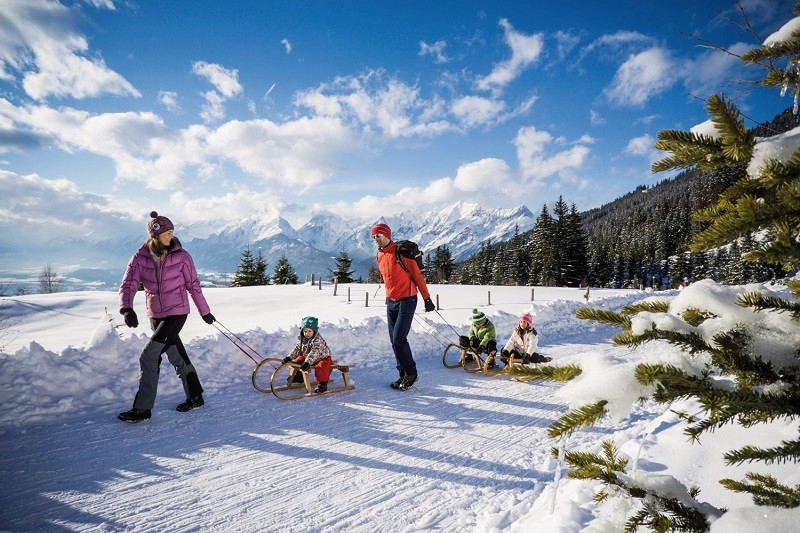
{"points": [[489, 297], [312, 280], [532, 294], [348, 294], [320, 283], [437, 302], [335, 286], [366, 302]]}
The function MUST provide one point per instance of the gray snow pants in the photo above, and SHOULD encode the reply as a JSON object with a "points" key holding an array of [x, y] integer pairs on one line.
{"points": [[165, 339]]}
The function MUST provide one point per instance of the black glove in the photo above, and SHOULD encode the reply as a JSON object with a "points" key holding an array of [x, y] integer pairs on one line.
{"points": [[475, 342], [463, 341], [209, 318], [505, 353], [131, 320], [286, 359], [305, 366], [429, 305]]}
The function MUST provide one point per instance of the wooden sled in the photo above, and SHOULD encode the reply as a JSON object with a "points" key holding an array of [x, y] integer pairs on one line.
{"points": [[470, 360], [288, 382]]}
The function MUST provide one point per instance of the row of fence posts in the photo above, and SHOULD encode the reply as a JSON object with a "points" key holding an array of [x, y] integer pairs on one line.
{"points": [[366, 294]]}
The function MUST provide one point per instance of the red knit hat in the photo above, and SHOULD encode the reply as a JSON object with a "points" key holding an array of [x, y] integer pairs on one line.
{"points": [[381, 228]]}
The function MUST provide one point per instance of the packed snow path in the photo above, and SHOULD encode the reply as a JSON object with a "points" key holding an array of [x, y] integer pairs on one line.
{"points": [[457, 451]]}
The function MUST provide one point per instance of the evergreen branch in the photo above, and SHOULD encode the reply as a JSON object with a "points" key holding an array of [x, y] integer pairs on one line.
{"points": [[788, 451], [584, 416], [765, 490], [626, 338], [671, 382], [694, 317], [660, 306], [546, 373], [602, 316], [761, 302]]}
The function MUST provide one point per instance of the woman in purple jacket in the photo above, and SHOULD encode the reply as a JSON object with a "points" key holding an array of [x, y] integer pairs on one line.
{"points": [[167, 272]]}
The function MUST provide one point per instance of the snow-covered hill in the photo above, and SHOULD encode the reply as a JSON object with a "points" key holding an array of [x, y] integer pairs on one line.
{"points": [[459, 452]]}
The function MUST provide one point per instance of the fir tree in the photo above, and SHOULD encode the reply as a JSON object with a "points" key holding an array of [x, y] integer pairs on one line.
{"points": [[260, 270], [443, 264], [342, 274], [284, 274], [246, 273], [740, 384]]}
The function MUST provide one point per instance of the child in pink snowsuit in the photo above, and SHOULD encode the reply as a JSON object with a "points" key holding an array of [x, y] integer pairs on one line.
{"points": [[312, 350], [524, 342]]}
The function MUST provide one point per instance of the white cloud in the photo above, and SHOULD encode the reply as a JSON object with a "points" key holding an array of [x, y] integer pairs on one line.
{"points": [[641, 77], [395, 108], [565, 42], [642, 145], [41, 44], [525, 50], [490, 178], [287, 45], [36, 209], [436, 50], [230, 206], [169, 99], [225, 81], [704, 74], [595, 118], [226, 86], [300, 153], [537, 163], [475, 110]]}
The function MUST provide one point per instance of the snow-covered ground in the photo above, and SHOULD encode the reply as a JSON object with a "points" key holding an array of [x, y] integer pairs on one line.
{"points": [[459, 452]]}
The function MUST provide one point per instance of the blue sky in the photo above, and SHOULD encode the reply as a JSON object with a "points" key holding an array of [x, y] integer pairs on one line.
{"points": [[211, 110]]}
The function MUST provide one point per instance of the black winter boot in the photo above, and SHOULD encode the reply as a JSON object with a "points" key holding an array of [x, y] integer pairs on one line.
{"points": [[190, 404], [407, 382], [134, 415]]}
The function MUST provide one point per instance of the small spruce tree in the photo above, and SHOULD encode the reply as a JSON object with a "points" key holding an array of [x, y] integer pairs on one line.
{"points": [[284, 274]]}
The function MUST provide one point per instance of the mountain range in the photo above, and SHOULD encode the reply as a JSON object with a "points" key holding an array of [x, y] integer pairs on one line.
{"points": [[311, 249]]}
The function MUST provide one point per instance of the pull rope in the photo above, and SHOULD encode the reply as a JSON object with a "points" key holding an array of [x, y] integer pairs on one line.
{"points": [[427, 327], [231, 336]]}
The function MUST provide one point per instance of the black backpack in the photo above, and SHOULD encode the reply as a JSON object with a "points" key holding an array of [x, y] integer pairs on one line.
{"points": [[409, 250]]}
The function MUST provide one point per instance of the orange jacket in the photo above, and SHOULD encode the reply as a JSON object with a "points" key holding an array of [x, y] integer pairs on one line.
{"points": [[399, 284]]}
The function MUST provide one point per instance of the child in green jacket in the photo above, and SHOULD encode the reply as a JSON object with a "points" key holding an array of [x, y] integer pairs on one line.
{"points": [[481, 335]]}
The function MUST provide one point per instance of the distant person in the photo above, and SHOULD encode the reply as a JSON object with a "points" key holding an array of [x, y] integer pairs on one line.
{"points": [[167, 272], [402, 279], [524, 342], [312, 350], [481, 336]]}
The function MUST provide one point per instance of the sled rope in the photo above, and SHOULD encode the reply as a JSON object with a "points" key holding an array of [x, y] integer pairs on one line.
{"points": [[231, 336], [427, 327]]}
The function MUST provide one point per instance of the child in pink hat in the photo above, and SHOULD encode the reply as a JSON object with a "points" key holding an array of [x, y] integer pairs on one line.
{"points": [[524, 342]]}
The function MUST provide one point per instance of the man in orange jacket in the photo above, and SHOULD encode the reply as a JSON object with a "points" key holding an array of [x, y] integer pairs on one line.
{"points": [[401, 301]]}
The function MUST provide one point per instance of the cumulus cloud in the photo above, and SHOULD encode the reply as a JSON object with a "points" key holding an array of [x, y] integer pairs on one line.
{"points": [[394, 108], [299, 153], [537, 161], [475, 110], [287, 45], [169, 99], [233, 205], [525, 50], [641, 145], [619, 42], [46, 208], [436, 50], [492, 177], [41, 44], [641, 77], [226, 86]]}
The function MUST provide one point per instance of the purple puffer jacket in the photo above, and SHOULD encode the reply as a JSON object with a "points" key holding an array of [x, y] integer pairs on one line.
{"points": [[165, 289]]}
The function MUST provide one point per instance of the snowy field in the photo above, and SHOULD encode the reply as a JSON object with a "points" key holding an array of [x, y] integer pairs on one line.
{"points": [[458, 452]]}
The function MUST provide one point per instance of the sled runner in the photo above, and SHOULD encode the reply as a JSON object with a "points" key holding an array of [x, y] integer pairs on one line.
{"points": [[289, 382], [466, 357]]}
